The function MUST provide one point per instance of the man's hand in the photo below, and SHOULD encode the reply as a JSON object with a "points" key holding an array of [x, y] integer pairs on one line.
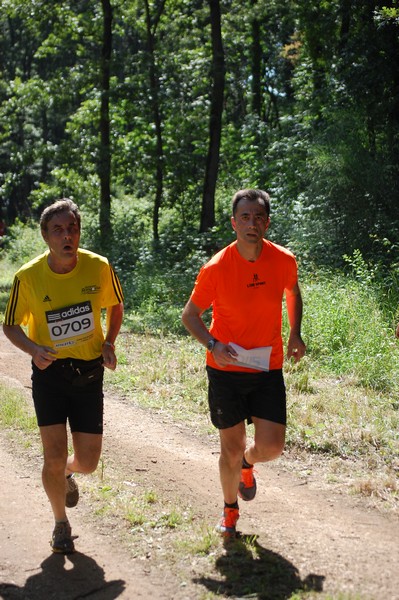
{"points": [[43, 356], [109, 357], [296, 348], [224, 354]]}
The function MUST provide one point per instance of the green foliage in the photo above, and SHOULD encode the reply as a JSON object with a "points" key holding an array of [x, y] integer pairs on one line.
{"points": [[15, 412], [323, 137], [387, 14], [157, 278], [23, 242], [347, 332], [161, 279], [309, 113]]}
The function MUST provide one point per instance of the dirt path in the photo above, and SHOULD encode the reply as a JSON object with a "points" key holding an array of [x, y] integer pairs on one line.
{"points": [[331, 542]]}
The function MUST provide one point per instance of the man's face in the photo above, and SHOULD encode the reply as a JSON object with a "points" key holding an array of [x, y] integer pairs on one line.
{"points": [[62, 235], [250, 221]]}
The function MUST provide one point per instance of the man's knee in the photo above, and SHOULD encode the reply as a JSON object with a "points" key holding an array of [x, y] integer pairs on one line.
{"points": [[86, 464], [269, 441], [275, 449], [54, 464], [269, 450], [87, 452]]}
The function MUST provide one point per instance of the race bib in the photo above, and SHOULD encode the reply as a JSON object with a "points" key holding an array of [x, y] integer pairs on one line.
{"points": [[71, 325]]}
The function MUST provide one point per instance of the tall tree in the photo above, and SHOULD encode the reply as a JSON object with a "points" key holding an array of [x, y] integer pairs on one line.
{"points": [[151, 27], [256, 59], [104, 166], [215, 121]]}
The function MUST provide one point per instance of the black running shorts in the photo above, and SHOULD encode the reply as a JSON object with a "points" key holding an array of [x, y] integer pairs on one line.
{"points": [[70, 390], [235, 396]]}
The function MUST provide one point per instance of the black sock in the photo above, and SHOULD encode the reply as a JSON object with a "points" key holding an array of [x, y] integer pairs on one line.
{"points": [[246, 465], [234, 505]]}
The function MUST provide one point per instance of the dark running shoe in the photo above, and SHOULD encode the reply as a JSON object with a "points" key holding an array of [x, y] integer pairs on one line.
{"points": [[227, 525], [61, 541], [247, 485], [71, 492]]}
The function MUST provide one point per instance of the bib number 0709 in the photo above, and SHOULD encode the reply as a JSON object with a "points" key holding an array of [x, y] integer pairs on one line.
{"points": [[70, 327], [70, 322]]}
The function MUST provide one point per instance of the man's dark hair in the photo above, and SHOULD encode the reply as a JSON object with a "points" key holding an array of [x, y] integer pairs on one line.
{"points": [[252, 195], [60, 206]]}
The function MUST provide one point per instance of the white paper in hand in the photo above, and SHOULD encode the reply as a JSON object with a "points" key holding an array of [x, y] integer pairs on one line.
{"points": [[256, 358]]}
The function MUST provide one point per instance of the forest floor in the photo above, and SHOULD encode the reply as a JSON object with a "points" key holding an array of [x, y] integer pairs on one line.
{"points": [[304, 538]]}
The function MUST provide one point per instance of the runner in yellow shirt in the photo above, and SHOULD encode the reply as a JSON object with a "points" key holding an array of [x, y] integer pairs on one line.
{"points": [[59, 297]]}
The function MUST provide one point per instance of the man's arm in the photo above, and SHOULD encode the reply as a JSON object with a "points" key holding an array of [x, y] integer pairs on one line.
{"points": [[42, 356], [192, 321], [296, 347], [114, 322]]}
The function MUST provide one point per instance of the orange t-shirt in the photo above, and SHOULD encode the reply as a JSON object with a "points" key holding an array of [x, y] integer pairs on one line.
{"points": [[246, 298]]}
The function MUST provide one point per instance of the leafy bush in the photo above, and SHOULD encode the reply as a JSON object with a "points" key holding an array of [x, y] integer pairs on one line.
{"points": [[347, 332], [161, 279], [23, 242]]}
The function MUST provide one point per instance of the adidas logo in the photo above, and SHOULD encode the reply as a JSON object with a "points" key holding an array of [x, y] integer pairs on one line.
{"points": [[46, 299]]}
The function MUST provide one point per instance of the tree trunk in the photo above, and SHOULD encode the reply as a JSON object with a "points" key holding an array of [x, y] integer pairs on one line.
{"points": [[105, 150], [215, 123], [256, 65], [156, 113], [345, 17]]}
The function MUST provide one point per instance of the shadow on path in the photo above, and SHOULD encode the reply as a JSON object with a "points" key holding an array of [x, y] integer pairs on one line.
{"points": [[65, 578], [251, 571]]}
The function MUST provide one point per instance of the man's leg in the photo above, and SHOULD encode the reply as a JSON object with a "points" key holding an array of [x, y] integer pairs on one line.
{"points": [[87, 451], [268, 444], [232, 446], [55, 452]]}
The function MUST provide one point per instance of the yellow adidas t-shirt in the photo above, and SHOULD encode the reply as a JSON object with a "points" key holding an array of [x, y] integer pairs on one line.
{"points": [[64, 311]]}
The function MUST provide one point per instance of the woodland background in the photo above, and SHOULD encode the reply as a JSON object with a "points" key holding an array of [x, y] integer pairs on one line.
{"points": [[151, 114]]}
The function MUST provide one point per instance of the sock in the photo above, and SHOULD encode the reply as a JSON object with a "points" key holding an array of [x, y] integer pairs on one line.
{"points": [[246, 465], [234, 505]]}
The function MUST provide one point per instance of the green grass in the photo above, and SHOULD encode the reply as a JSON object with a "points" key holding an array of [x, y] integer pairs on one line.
{"points": [[342, 397], [162, 373], [348, 333], [343, 420], [352, 428], [15, 412]]}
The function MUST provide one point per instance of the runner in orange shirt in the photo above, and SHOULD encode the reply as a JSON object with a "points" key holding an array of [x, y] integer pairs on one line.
{"points": [[245, 284]]}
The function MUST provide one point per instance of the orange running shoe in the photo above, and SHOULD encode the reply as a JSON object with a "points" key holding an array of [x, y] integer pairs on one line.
{"points": [[247, 485], [227, 525]]}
